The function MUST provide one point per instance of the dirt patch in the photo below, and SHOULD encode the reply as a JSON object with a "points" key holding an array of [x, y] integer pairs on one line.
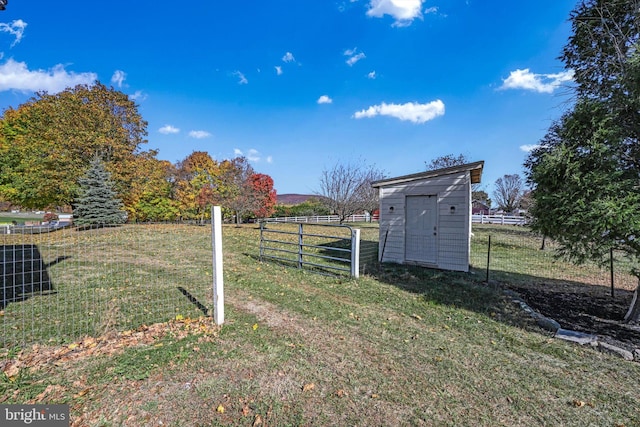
{"points": [[585, 308]]}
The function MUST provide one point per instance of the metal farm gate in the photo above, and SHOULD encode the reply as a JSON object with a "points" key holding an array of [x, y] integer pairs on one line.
{"points": [[323, 248]]}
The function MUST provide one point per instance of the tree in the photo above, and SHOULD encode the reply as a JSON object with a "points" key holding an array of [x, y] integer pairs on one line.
{"points": [[345, 188], [150, 197], [586, 171], [310, 207], [197, 185], [446, 161], [235, 190], [450, 160], [47, 143], [261, 186], [98, 202], [508, 192]]}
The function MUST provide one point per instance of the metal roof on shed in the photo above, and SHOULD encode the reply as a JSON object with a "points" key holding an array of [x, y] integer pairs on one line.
{"points": [[474, 168]]}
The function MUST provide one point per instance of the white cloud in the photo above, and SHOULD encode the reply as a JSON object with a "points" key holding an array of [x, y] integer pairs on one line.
{"points": [[372, 75], [278, 70], [252, 155], [199, 134], [168, 129], [16, 76], [413, 112], [350, 52], [527, 148], [242, 80], [138, 96], [353, 56], [541, 83], [324, 99], [355, 59], [288, 57], [118, 78], [16, 28], [403, 11]]}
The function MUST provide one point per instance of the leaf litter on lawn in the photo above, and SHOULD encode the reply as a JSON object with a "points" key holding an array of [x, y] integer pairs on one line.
{"points": [[39, 357]]}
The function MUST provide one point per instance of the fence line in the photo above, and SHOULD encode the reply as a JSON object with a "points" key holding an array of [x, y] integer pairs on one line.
{"points": [[476, 219], [498, 219], [60, 286], [320, 218]]}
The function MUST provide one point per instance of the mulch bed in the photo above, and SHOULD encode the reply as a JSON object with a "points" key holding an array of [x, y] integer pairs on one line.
{"points": [[585, 308]]}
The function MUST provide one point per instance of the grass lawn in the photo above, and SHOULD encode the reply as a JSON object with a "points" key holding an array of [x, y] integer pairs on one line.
{"points": [[399, 346]]}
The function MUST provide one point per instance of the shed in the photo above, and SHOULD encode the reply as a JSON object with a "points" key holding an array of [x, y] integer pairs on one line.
{"points": [[425, 218]]}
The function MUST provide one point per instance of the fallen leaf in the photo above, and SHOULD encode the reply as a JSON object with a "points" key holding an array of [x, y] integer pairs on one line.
{"points": [[257, 421], [246, 411], [81, 393], [12, 370], [341, 393], [220, 409], [308, 387]]}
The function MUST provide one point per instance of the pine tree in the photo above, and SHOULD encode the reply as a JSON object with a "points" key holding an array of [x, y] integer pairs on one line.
{"points": [[98, 203]]}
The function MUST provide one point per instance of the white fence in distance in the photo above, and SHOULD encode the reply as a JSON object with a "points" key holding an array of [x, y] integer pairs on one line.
{"points": [[498, 219], [476, 219], [321, 218]]}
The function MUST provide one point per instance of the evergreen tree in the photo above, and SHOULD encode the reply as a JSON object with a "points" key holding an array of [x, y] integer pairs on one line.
{"points": [[98, 203], [586, 171]]}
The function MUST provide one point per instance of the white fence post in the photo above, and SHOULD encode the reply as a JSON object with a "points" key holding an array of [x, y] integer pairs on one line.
{"points": [[218, 281], [355, 253]]}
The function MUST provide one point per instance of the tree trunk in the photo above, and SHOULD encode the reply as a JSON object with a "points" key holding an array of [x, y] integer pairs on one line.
{"points": [[633, 315]]}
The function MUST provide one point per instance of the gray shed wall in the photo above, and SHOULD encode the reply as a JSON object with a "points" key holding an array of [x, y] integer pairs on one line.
{"points": [[453, 234]]}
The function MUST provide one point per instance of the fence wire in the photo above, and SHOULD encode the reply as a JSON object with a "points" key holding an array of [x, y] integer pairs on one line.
{"points": [[61, 285], [515, 255]]}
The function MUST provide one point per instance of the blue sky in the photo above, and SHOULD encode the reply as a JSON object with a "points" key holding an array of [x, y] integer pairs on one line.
{"points": [[298, 85]]}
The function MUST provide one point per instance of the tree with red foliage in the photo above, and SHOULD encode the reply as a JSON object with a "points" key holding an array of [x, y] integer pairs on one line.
{"points": [[261, 186]]}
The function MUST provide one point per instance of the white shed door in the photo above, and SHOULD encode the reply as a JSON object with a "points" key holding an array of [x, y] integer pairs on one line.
{"points": [[421, 229]]}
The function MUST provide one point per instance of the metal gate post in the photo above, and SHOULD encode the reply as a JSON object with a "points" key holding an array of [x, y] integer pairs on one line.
{"points": [[300, 245]]}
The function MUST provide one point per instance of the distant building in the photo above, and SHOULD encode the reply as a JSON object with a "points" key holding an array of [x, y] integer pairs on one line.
{"points": [[478, 207]]}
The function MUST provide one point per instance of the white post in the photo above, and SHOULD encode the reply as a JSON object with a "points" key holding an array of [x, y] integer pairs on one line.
{"points": [[355, 253], [218, 281]]}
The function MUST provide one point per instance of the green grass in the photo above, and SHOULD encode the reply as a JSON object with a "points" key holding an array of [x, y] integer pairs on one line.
{"points": [[399, 346], [516, 257]]}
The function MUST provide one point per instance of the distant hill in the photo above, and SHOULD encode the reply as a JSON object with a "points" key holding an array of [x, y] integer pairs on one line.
{"points": [[294, 199]]}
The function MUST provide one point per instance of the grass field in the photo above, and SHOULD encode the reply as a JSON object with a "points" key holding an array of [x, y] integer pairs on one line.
{"points": [[399, 346]]}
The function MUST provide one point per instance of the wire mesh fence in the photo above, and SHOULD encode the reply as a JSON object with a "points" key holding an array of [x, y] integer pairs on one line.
{"points": [[61, 285], [517, 256]]}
